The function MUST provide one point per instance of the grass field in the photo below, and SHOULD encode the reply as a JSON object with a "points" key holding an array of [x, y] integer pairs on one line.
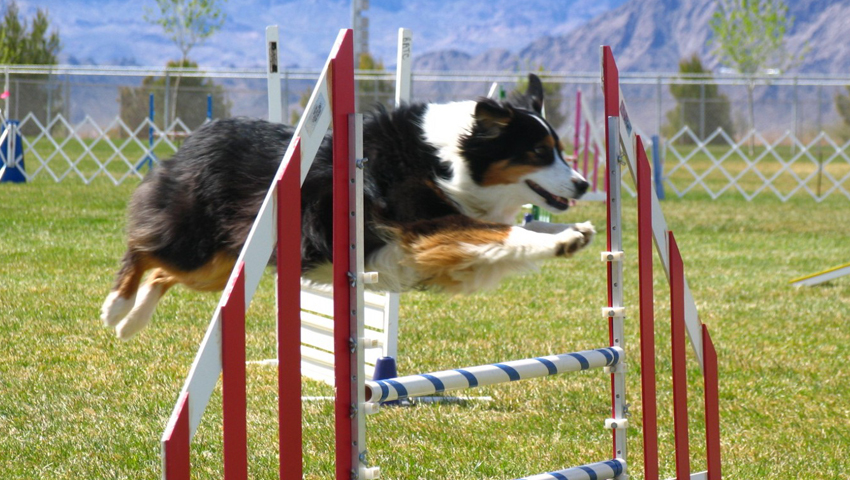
{"points": [[76, 403]]}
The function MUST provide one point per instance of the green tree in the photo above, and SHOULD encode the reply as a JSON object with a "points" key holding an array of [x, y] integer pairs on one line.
{"points": [[749, 36], [842, 104], [187, 23], [22, 43], [295, 116], [701, 107], [135, 101], [373, 92], [552, 99]]}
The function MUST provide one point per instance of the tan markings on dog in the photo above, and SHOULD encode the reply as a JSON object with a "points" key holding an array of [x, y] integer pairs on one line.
{"points": [[161, 277], [211, 277], [128, 283], [561, 147], [439, 191], [439, 255], [502, 173], [549, 141]]}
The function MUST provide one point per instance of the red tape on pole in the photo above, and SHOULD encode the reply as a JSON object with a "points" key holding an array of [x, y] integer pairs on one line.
{"points": [[647, 315], [712, 407], [611, 83], [289, 316], [175, 448], [233, 379], [611, 92], [680, 376], [342, 105]]}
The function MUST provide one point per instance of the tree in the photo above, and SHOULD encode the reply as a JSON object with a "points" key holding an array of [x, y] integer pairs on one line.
{"points": [[842, 104], [370, 92], [35, 44], [552, 99], [135, 101], [749, 36], [187, 23], [699, 106], [373, 92]]}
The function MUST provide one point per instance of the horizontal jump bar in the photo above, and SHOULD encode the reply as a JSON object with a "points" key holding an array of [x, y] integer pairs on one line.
{"points": [[594, 471], [461, 378]]}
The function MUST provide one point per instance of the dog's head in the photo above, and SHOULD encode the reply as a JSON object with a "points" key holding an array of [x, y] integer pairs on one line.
{"points": [[512, 147]]}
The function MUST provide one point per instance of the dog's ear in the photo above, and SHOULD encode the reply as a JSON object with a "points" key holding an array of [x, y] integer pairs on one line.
{"points": [[492, 117], [534, 92]]}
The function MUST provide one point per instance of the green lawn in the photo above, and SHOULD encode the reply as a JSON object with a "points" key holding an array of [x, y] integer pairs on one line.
{"points": [[75, 402]]}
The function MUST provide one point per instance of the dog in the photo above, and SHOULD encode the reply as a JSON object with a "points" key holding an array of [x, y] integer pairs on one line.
{"points": [[443, 186]]}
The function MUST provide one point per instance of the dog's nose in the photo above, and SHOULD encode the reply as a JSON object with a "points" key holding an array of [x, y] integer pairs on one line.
{"points": [[581, 186]]}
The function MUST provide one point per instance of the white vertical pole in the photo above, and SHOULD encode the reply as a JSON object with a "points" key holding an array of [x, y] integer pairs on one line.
{"points": [[273, 73], [6, 89], [356, 328], [402, 95], [617, 320], [403, 64], [273, 86]]}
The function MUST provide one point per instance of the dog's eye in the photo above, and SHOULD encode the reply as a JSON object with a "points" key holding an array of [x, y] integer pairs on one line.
{"points": [[542, 151]]}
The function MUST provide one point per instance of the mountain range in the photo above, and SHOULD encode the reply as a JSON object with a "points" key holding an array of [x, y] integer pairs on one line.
{"points": [[653, 35], [561, 35]]}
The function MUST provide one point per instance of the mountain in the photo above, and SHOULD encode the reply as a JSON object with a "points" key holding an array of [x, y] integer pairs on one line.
{"points": [[112, 31], [653, 35]]}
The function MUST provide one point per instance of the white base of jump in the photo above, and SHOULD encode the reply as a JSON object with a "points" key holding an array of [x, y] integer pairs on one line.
{"points": [[595, 471]]}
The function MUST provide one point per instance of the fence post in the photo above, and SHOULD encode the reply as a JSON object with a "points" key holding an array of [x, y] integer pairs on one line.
{"points": [[702, 111], [167, 103], [794, 107], [285, 116], [658, 105], [820, 140], [6, 89], [657, 167]]}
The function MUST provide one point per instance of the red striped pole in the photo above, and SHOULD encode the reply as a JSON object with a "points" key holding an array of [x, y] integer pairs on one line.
{"points": [[712, 407], [233, 379], [289, 316], [680, 376], [610, 78], [647, 316], [595, 166], [342, 104], [586, 148], [578, 129], [175, 444]]}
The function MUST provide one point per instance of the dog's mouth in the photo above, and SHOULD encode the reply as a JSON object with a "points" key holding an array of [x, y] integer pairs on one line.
{"points": [[552, 200]]}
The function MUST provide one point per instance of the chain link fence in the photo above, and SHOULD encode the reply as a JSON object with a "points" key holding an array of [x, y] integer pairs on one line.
{"points": [[96, 122]]}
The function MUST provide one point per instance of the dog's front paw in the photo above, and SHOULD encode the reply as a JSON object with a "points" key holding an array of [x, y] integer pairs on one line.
{"points": [[574, 239]]}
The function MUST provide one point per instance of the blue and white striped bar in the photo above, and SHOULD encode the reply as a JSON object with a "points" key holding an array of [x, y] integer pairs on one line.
{"points": [[595, 471], [461, 378]]}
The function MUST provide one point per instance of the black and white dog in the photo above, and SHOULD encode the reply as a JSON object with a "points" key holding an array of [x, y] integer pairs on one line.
{"points": [[444, 184]]}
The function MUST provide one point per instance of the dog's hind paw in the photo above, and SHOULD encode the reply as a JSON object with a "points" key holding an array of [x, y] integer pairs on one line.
{"points": [[115, 308], [574, 239]]}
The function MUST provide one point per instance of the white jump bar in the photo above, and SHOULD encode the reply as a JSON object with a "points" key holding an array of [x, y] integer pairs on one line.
{"points": [[461, 378]]}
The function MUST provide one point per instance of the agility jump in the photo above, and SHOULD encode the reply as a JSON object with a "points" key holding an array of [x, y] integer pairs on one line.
{"points": [[223, 348]]}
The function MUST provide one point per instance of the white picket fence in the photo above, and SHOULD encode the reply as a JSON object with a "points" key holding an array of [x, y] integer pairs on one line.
{"points": [[86, 150], [717, 165], [753, 165]]}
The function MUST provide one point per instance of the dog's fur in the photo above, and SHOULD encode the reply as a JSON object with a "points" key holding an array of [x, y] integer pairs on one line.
{"points": [[443, 186]]}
